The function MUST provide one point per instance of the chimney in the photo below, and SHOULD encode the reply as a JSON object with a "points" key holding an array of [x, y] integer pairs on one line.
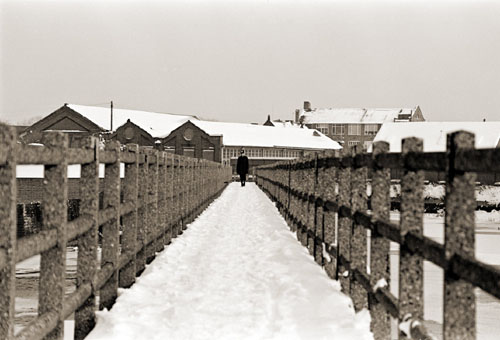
{"points": [[307, 106]]}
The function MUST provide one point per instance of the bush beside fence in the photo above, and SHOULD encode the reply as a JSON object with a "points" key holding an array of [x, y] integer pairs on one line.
{"points": [[160, 194], [313, 193]]}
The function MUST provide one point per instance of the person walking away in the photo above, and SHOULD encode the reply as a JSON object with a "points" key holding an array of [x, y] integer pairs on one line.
{"points": [[242, 167]]}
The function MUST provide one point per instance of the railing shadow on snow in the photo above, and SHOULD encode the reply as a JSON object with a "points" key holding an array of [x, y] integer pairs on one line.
{"points": [[159, 195], [312, 193]]}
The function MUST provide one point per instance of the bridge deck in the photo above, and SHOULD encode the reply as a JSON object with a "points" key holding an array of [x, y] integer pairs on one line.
{"points": [[236, 272]]}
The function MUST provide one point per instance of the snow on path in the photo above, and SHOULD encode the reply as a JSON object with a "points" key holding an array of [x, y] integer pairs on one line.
{"points": [[237, 272]]}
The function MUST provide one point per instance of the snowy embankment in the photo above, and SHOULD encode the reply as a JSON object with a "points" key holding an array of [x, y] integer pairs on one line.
{"points": [[236, 273], [485, 194]]}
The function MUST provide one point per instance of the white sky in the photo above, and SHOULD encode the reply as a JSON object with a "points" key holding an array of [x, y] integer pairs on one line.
{"points": [[242, 60]]}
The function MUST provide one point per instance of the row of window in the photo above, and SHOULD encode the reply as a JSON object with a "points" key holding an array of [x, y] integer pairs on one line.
{"points": [[366, 144], [228, 153], [352, 129], [208, 154]]}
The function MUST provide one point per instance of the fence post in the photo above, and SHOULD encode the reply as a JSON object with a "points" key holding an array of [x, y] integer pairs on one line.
{"points": [[289, 193], [151, 204], [87, 261], [358, 240], [459, 301], [111, 229], [176, 197], [379, 253], [294, 201], [182, 197], [198, 190], [162, 201], [327, 178], [8, 196], [169, 215], [142, 214], [344, 223], [55, 210], [190, 196], [317, 218], [302, 205], [411, 265], [129, 234]]}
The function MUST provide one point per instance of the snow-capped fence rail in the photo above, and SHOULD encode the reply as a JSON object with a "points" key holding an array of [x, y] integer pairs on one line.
{"points": [[313, 193], [159, 194]]}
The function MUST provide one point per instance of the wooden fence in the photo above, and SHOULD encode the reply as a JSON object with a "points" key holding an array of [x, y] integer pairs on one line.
{"points": [[312, 193], [159, 195]]}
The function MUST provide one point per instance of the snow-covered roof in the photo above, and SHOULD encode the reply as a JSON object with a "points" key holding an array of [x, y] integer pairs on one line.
{"points": [[156, 124], [287, 124], [237, 134], [356, 115], [434, 134]]}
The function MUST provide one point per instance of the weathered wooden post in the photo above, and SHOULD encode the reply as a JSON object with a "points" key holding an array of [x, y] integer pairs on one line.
{"points": [[183, 196], [152, 204], [87, 261], [411, 265], [199, 186], [344, 222], [379, 254], [186, 185], [162, 201], [289, 193], [327, 179], [142, 213], [176, 196], [8, 196], [317, 217], [55, 210], [358, 241], [306, 182], [459, 303], [190, 196], [111, 229], [129, 234], [294, 201], [169, 214]]}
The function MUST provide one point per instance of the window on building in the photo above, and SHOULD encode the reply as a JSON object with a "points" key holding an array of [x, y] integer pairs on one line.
{"points": [[188, 152], [209, 154], [354, 129], [371, 129], [170, 149], [367, 144], [338, 129], [323, 128], [351, 143]]}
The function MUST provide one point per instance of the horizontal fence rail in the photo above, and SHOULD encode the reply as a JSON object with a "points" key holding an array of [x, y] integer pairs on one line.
{"points": [[141, 213], [324, 199]]}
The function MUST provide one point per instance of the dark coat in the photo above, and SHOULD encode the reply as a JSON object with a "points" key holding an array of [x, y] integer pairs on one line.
{"points": [[242, 165]]}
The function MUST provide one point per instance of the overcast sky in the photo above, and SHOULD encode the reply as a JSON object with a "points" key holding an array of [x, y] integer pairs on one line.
{"points": [[242, 60]]}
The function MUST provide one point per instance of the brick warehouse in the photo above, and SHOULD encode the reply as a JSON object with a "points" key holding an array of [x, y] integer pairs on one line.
{"points": [[222, 142]]}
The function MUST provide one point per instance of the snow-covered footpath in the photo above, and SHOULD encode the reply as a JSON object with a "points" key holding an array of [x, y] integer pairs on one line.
{"points": [[236, 273]]}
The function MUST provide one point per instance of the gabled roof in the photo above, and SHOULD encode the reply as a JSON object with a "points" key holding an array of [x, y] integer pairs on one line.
{"points": [[156, 124], [237, 134], [356, 115], [487, 134]]}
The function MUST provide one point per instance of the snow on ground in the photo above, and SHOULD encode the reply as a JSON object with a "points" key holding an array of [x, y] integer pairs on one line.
{"points": [[486, 250], [484, 193], [236, 273]]}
